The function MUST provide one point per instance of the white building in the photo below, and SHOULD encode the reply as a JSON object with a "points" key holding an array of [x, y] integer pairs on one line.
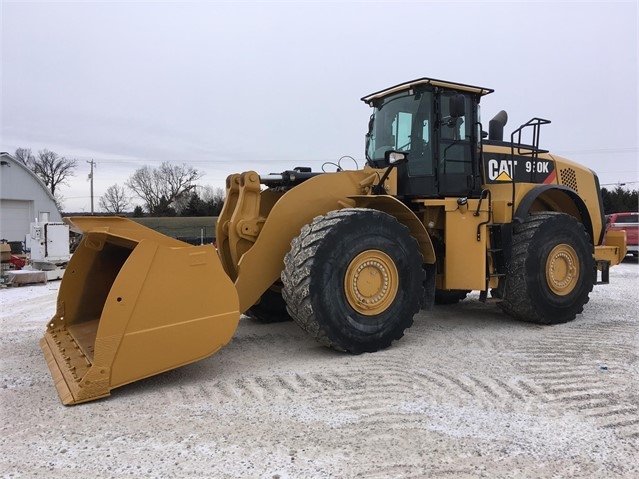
{"points": [[23, 199]]}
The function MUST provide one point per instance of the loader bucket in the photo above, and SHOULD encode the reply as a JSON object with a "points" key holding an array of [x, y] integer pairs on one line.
{"points": [[134, 303]]}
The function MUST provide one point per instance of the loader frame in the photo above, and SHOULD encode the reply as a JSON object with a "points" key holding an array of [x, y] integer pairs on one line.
{"points": [[351, 256]]}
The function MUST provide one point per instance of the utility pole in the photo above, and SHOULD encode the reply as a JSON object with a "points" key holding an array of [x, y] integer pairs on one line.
{"points": [[92, 163]]}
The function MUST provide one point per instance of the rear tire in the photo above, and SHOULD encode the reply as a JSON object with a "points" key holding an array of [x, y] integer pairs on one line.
{"points": [[354, 280], [270, 309], [552, 270]]}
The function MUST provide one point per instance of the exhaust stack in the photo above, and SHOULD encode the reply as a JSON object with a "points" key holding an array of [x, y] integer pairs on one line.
{"points": [[496, 126]]}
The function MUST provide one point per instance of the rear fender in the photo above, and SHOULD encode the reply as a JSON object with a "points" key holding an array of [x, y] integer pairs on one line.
{"points": [[556, 198]]}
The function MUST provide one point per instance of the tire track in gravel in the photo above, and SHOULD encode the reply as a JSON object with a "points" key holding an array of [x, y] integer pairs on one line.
{"points": [[383, 393], [387, 376], [558, 368], [412, 471], [583, 367], [278, 386], [405, 471], [30, 309], [486, 390], [487, 387], [243, 339]]}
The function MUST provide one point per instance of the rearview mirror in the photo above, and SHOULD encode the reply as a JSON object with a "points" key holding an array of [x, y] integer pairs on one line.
{"points": [[393, 157], [457, 106]]}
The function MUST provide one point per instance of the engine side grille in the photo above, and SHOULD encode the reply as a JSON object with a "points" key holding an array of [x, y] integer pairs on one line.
{"points": [[569, 178]]}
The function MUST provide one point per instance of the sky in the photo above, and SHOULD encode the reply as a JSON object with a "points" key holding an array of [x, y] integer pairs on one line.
{"points": [[228, 87]]}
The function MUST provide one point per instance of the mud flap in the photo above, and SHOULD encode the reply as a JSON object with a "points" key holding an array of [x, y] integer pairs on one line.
{"points": [[134, 303]]}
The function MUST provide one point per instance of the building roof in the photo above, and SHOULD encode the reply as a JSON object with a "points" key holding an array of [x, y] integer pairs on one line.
{"points": [[12, 160]]}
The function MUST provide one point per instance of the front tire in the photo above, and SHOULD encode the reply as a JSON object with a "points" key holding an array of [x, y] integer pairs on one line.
{"points": [[354, 280], [552, 270]]}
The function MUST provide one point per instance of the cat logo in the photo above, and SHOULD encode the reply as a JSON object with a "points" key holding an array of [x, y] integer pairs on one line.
{"points": [[503, 176], [519, 169], [501, 170]]}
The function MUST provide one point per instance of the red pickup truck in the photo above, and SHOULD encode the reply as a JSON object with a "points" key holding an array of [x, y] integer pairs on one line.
{"points": [[628, 222]]}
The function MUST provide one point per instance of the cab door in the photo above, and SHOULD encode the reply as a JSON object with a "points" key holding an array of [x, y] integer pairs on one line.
{"points": [[414, 134], [456, 144]]}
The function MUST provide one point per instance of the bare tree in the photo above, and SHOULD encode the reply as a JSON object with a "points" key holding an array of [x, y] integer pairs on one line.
{"points": [[25, 155], [161, 188], [212, 195], [144, 184], [202, 201], [115, 200], [59, 200], [52, 168]]}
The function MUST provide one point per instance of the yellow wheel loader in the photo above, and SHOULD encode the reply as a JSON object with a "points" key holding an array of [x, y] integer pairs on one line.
{"points": [[441, 208]]}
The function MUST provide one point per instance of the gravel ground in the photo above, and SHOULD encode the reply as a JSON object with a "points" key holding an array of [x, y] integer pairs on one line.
{"points": [[468, 392]]}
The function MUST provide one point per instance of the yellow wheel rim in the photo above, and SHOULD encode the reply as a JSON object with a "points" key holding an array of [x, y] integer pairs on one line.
{"points": [[562, 269], [371, 282]]}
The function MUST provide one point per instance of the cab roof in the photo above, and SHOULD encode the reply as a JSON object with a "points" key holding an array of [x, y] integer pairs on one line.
{"points": [[425, 81]]}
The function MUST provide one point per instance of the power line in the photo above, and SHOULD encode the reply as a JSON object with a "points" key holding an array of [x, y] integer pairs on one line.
{"points": [[598, 151], [92, 163], [620, 183]]}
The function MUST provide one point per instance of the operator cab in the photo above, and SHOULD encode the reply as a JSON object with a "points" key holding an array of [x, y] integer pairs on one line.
{"points": [[437, 124]]}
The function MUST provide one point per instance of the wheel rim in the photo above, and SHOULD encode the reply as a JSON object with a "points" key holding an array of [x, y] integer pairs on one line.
{"points": [[562, 269], [371, 282]]}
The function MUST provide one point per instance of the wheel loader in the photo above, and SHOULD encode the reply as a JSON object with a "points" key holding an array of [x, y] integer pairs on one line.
{"points": [[441, 208]]}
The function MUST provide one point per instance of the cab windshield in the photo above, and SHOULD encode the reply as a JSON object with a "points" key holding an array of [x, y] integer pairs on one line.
{"points": [[402, 123]]}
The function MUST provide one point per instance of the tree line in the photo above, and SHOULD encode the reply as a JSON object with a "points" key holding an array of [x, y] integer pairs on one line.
{"points": [[619, 200], [167, 190]]}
